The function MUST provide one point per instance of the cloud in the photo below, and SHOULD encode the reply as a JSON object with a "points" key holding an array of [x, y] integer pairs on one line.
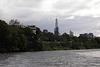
{"points": [[92, 9], [80, 16], [71, 17], [81, 24]]}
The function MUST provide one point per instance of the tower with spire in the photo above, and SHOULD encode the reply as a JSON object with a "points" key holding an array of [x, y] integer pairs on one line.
{"points": [[56, 29]]}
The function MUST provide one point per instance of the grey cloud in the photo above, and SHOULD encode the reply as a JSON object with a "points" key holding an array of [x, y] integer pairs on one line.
{"points": [[80, 24], [30, 12], [66, 5], [29, 3], [20, 9], [16, 4]]}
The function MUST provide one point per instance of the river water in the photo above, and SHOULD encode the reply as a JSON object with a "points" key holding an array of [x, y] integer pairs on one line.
{"points": [[66, 58]]}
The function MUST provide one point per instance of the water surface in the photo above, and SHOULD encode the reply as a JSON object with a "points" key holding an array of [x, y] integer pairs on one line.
{"points": [[67, 58]]}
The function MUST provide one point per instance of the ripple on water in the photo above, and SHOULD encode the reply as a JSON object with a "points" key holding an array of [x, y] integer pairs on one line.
{"points": [[73, 58]]}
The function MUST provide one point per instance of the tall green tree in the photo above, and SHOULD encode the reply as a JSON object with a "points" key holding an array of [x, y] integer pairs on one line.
{"points": [[5, 36]]}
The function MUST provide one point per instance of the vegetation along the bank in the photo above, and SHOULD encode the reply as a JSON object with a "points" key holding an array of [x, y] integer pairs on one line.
{"points": [[16, 38]]}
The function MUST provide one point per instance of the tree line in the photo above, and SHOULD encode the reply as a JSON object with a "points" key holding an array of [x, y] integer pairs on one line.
{"points": [[16, 38], [51, 41]]}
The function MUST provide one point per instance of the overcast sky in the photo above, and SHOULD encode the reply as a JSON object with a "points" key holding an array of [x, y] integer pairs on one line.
{"points": [[80, 16]]}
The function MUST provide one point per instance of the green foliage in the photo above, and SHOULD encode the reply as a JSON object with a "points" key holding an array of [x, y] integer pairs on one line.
{"points": [[5, 37], [65, 42], [15, 38]]}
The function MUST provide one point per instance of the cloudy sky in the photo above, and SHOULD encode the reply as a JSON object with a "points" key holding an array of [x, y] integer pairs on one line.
{"points": [[80, 16]]}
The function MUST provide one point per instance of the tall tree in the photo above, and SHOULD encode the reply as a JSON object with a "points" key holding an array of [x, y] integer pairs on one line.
{"points": [[5, 36]]}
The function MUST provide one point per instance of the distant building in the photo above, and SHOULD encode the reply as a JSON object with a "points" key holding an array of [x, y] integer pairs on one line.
{"points": [[45, 31], [82, 35], [71, 33], [90, 35], [33, 28], [16, 23], [56, 29]]}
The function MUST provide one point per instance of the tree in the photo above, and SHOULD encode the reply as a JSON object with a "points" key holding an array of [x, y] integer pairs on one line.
{"points": [[5, 36]]}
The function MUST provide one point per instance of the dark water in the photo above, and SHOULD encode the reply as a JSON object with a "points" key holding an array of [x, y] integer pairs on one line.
{"points": [[67, 58]]}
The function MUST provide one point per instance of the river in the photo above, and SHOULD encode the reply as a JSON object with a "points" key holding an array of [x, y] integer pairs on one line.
{"points": [[62, 58]]}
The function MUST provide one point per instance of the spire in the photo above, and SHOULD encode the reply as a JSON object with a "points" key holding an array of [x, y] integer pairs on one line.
{"points": [[56, 30], [56, 24]]}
